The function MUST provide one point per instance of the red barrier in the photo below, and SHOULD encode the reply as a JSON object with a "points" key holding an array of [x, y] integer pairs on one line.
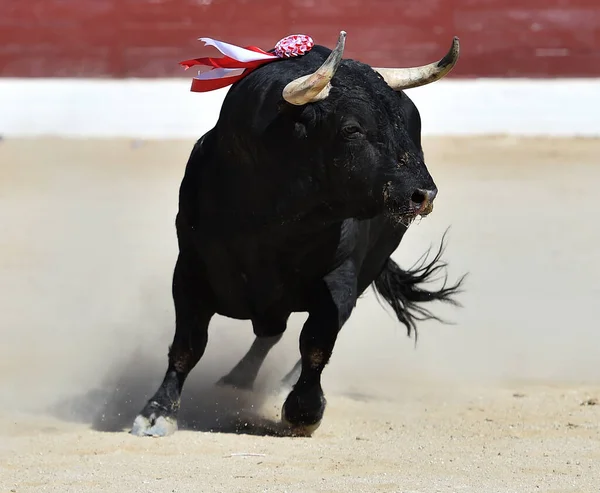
{"points": [[146, 38]]}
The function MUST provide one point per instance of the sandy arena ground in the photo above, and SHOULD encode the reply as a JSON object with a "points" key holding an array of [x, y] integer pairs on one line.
{"points": [[505, 400]]}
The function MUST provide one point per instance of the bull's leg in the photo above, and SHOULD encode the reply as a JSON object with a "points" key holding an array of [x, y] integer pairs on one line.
{"points": [[293, 375], [333, 303], [159, 416], [244, 374]]}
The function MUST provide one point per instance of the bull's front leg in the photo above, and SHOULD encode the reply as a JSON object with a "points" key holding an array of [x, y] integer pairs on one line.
{"points": [[333, 302], [192, 316]]}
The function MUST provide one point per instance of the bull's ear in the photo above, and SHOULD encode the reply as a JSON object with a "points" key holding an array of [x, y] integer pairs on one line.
{"points": [[405, 78], [315, 87]]}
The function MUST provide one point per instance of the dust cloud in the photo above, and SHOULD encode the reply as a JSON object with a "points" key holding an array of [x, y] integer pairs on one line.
{"points": [[88, 248]]}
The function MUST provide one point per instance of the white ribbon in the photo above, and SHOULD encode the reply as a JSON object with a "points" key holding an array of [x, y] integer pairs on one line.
{"points": [[236, 52], [219, 73]]}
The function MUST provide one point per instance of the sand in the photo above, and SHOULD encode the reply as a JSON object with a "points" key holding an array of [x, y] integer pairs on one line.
{"points": [[504, 400]]}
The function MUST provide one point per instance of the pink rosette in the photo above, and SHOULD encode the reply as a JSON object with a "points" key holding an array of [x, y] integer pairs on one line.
{"points": [[294, 45]]}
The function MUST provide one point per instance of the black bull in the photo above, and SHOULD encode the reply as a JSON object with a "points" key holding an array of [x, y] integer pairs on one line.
{"points": [[294, 202]]}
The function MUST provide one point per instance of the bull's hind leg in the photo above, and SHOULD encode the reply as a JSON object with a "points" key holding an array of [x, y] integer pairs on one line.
{"points": [[268, 331], [332, 304], [293, 375], [159, 416], [243, 375]]}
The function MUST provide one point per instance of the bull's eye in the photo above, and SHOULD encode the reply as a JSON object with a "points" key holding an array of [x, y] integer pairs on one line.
{"points": [[352, 131]]}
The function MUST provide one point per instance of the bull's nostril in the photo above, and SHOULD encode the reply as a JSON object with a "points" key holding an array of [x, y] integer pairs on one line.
{"points": [[418, 197]]}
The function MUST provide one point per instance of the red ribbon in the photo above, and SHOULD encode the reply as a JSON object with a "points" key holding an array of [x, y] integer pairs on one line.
{"points": [[206, 85]]}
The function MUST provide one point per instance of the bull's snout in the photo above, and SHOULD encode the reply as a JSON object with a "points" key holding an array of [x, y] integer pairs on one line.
{"points": [[421, 201]]}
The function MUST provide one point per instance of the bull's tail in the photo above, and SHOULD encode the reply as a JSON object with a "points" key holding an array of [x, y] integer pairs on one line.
{"points": [[404, 290]]}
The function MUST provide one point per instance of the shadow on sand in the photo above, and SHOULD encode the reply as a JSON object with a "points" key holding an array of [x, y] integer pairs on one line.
{"points": [[205, 406]]}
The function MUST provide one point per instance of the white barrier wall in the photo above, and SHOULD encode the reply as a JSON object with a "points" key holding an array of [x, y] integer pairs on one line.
{"points": [[165, 108]]}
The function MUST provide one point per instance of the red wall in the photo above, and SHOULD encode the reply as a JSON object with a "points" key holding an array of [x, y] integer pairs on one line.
{"points": [[146, 38]]}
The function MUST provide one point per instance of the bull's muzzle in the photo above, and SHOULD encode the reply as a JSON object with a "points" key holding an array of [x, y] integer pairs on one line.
{"points": [[421, 201]]}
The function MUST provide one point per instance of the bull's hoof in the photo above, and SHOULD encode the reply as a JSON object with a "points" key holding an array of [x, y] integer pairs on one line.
{"points": [[154, 425], [235, 382], [303, 412], [299, 430]]}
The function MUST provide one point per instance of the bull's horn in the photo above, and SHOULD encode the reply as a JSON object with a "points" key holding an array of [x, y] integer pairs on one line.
{"points": [[315, 87], [405, 78]]}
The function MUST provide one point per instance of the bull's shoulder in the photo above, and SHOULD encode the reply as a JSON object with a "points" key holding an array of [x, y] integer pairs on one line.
{"points": [[202, 150], [195, 182]]}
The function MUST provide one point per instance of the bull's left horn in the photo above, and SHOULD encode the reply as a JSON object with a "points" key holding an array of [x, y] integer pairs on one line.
{"points": [[405, 78], [315, 87]]}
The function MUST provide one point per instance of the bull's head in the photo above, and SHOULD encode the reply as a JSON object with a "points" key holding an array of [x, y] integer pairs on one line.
{"points": [[371, 133]]}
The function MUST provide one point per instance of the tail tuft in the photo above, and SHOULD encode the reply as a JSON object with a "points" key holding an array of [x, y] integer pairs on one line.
{"points": [[403, 289]]}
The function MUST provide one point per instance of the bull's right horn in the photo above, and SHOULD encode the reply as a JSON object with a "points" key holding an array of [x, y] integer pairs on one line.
{"points": [[405, 78], [315, 87]]}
